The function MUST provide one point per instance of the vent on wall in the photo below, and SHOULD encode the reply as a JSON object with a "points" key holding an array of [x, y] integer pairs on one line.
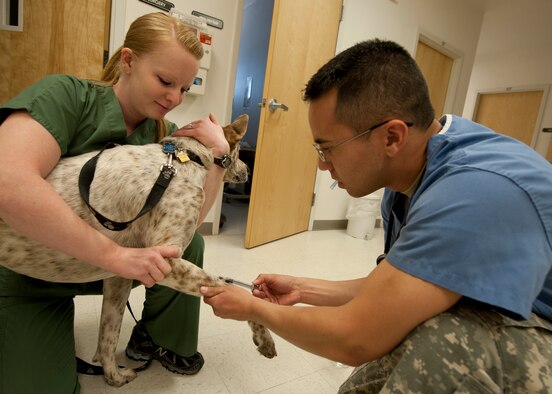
{"points": [[11, 15]]}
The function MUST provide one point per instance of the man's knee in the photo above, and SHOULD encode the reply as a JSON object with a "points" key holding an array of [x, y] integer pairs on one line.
{"points": [[446, 352]]}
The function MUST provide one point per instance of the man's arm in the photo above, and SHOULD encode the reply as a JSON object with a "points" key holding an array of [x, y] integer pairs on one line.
{"points": [[388, 305], [291, 290]]}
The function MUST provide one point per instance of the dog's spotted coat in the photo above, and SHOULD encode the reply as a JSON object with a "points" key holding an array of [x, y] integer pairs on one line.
{"points": [[124, 176]]}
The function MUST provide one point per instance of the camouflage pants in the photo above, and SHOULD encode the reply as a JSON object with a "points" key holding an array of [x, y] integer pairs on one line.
{"points": [[468, 349]]}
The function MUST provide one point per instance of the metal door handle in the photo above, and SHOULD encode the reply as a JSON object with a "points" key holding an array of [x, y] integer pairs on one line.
{"points": [[273, 105]]}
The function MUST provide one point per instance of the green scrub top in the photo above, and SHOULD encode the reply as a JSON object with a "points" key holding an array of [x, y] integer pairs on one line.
{"points": [[81, 115]]}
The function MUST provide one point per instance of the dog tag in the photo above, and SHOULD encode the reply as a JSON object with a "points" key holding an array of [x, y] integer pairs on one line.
{"points": [[168, 147], [182, 156]]}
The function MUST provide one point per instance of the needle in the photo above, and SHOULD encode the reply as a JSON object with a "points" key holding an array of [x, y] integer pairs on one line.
{"points": [[239, 283]]}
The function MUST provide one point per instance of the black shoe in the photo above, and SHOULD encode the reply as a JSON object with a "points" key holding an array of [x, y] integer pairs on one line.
{"points": [[142, 348]]}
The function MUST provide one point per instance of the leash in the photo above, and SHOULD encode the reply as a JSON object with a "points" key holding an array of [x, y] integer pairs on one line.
{"points": [[85, 368], [167, 172]]}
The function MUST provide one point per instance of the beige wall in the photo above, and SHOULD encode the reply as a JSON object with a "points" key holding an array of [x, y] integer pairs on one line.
{"points": [[515, 51], [457, 23]]}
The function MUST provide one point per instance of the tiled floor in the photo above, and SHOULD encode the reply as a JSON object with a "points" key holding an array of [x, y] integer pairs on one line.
{"points": [[232, 362]]}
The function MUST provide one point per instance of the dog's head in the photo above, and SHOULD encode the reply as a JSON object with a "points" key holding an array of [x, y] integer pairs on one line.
{"points": [[234, 132]]}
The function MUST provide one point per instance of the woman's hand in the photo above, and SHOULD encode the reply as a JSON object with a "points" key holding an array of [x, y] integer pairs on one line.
{"points": [[278, 289], [209, 132], [148, 265]]}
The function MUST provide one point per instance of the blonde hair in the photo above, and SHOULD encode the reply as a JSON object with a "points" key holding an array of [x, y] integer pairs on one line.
{"points": [[145, 35]]}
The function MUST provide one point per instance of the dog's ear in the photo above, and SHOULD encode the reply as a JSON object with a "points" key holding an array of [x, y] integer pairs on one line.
{"points": [[235, 131], [240, 124]]}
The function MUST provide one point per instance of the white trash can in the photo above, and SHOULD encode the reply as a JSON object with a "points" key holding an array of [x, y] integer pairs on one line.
{"points": [[361, 215]]}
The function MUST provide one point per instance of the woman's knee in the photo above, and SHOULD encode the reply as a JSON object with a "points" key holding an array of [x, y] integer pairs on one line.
{"points": [[194, 251]]}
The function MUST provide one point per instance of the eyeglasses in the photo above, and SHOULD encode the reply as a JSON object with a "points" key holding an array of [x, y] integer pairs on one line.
{"points": [[322, 152]]}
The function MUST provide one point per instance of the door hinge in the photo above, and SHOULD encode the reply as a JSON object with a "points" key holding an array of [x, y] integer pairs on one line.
{"points": [[341, 15], [313, 199]]}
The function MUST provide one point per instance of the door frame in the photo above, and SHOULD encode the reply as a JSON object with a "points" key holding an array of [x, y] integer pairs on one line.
{"points": [[454, 53], [545, 88]]}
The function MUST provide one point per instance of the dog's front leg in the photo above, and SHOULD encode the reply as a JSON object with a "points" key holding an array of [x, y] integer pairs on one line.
{"points": [[115, 295], [188, 278]]}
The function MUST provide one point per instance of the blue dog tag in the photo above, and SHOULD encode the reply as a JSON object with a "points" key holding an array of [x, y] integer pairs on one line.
{"points": [[168, 147]]}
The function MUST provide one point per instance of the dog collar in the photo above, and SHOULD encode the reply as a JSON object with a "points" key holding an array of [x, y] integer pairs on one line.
{"points": [[182, 155]]}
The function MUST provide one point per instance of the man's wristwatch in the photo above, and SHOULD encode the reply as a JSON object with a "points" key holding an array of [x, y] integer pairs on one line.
{"points": [[224, 161]]}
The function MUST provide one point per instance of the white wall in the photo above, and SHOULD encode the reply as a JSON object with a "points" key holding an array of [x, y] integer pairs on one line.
{"points": [[221, 75], [515, 50], [456, 23], [508, 46]]}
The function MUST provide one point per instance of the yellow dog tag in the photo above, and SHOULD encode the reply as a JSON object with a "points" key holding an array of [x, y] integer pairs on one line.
{"points": [[182, 156]]}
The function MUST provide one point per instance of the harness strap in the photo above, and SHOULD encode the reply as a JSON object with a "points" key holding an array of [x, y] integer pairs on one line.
{"points": [[86, 177]]}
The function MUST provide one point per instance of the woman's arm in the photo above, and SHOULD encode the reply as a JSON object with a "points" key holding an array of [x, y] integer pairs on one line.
{"points": [[28, 152], [209, 132]]}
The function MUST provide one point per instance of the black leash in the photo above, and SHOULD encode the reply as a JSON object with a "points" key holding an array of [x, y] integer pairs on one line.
{"points": [[85, 368], [86, 176], [167, 172]]}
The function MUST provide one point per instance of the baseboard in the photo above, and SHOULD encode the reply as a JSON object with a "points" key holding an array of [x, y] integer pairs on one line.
{"points": [[206, 228], [329, 225], [334, 224]]}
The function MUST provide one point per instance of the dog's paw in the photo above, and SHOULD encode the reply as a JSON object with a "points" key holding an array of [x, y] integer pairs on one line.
{"points": [[263, 340], [267, 349], [119, 377]]}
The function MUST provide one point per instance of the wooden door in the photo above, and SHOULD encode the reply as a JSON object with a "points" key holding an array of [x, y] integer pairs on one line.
{"points": [[436, 68], [303, 37], [512, 113], [58, 37]]}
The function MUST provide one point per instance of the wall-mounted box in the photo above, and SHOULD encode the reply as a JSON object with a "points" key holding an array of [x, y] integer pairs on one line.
{"points": [[198, 88], [204, 34], [206, 41]]}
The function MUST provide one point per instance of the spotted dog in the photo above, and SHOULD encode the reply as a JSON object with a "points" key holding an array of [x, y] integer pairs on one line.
{"points": [[123, 177]]}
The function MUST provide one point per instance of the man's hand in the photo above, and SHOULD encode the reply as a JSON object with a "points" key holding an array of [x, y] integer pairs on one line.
{"points": [[278, 289]]}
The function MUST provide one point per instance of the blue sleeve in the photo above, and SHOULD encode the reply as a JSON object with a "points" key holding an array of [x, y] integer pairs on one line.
{"points": [[478, 234]]}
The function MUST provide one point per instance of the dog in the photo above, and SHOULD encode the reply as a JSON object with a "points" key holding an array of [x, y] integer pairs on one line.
{"points": [[121, 182]]}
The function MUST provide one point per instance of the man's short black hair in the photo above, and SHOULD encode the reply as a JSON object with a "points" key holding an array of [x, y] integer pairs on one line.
{"points": [[375, 80]]}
